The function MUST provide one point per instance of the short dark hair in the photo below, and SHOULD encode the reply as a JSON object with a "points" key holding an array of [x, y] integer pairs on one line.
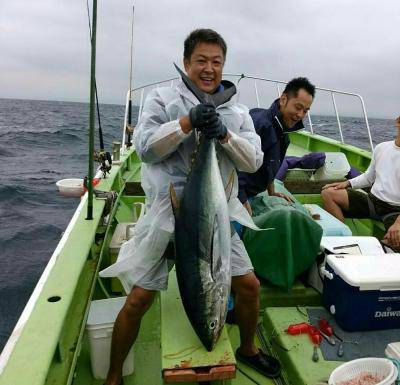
{"points": [[203, 35], [293, 87]]}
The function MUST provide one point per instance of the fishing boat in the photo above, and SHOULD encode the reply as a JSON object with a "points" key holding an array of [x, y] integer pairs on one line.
{"points": [[50, 343]]}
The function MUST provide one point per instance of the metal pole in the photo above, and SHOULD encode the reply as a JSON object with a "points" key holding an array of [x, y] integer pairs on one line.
{"points": [[278, 89], [141, 103], [366, 122], [337, 117], [255, 89], [310, 122], [129, 123], [125, 120], [92, 113]]}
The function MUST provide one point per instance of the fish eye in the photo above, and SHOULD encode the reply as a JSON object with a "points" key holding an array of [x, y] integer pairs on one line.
{"points": [[212, 324]]}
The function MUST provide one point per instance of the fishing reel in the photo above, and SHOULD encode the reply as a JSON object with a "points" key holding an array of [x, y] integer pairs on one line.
{"points": [[129, 131], [104, 158]]}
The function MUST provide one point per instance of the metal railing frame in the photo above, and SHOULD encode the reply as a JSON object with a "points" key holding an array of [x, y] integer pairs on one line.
{"points": [[332, 92]]}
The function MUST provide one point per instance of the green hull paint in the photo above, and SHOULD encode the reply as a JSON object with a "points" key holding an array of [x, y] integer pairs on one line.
{"points": [[53, 348], [48, 346]]}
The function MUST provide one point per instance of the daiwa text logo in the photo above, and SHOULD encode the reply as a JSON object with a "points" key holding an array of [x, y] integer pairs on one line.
{"points": [[388, 313]]}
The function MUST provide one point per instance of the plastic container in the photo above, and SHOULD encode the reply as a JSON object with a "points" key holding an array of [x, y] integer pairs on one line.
{"points": [[393, 350], [330, 225], [363, 291], [299, 174], [72, 187], [123, 232], [377, 366], [351, 245], [100, 323], [336, 167]]}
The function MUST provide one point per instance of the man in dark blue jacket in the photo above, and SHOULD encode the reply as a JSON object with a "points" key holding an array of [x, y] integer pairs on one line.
{"points": [[273, 126]]}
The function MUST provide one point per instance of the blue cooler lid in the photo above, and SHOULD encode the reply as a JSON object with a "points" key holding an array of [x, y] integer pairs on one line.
{"points": [[367, 272]]}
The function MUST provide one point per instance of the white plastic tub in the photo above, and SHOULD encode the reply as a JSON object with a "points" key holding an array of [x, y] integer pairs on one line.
{"points": [[100, 323], [336, 167], [72, 187], [377, 366]]}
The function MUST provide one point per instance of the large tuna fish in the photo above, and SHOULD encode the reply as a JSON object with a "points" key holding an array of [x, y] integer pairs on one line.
{"points": [[203, 236], [203, 245]]}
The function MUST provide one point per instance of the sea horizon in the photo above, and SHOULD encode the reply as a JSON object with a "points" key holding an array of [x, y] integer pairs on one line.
{"points": [[135, 105]]}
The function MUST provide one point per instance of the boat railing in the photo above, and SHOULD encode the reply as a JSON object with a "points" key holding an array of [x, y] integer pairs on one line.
{"points": [[237, 78], [141, 90]]}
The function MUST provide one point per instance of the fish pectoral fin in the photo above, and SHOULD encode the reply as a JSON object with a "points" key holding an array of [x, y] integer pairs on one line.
{"points": [[229, 186], [174, 200]]}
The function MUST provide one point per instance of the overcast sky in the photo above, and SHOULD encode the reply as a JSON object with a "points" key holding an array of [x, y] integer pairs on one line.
{"points": [[350, 45]]}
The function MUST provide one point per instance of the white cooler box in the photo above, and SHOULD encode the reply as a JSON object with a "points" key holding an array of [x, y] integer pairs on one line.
{"points": [[341, 245], [363, 291], [100, 323]]}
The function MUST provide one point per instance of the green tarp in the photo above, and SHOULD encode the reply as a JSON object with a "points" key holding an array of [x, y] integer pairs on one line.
{"points": [[282, 254]]}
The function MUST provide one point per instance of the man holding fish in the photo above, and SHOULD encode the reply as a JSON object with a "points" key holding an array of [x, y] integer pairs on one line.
{"points": [[170, 137]]}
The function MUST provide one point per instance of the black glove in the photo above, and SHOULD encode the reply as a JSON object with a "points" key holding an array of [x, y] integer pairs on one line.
{"points": [[202, 115], [215, 130]]}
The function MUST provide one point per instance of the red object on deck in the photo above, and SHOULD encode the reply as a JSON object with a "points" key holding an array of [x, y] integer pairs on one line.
{"points": [[303, 328], [315, 335], [212, 373], [325, 327], [95, 182], [296, 329]]}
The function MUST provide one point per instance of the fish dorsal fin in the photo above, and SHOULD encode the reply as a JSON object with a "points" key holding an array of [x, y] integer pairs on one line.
{"points": [[174, 200], [203, 97], [229, 186], [200, 95], [224, 96]]}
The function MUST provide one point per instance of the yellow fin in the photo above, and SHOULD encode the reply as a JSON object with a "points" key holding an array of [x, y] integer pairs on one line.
{"points": [[229, 186], [174, 200]]}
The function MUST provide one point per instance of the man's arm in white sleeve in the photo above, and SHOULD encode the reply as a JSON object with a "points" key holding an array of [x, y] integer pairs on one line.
{"points": [[155, 137], [244, 148], [366, 179]]}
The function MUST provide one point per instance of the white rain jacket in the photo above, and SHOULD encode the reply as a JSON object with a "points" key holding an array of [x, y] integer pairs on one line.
{"points": [[166, 153]]}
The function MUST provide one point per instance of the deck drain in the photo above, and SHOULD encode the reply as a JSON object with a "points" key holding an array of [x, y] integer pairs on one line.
{"points": [[55, 298]]}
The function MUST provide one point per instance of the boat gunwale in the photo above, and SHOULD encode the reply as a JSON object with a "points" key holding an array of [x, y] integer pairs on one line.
{"points": [[37, 291], [62, 247]]}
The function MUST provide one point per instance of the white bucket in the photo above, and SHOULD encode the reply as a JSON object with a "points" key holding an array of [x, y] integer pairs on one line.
{"points": [[377, 366], [336, 167], [72, 187], [100, 323]]}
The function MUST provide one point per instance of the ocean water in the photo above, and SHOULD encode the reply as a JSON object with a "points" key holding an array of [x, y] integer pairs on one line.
{"points": [[44, 141]]}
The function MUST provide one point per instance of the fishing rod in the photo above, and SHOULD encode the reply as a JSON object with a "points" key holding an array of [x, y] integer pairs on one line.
{"points": [[89, 215], [103, 157], [129, 127]]}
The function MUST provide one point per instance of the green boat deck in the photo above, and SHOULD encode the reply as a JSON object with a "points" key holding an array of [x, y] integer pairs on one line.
{"points": [[57, 345], [295, 352]]}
